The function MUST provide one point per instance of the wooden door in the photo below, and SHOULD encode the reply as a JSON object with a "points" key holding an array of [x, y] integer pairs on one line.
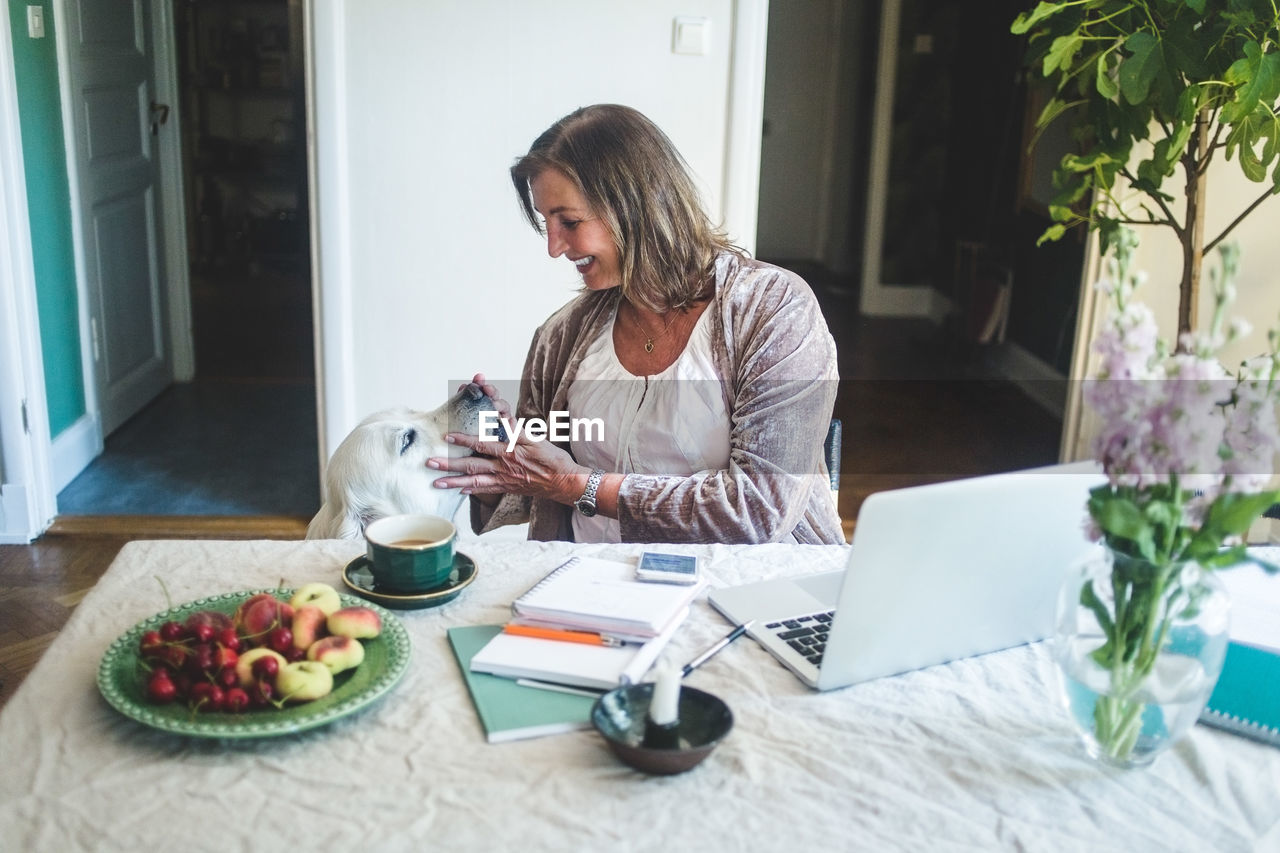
{"points": [[109, 44]]}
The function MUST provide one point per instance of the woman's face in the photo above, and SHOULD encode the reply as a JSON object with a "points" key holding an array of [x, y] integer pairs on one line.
{"points": [[574, 231]]}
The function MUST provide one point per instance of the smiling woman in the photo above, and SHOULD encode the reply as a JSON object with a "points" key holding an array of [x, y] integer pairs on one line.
{"points": [[712, 376]]}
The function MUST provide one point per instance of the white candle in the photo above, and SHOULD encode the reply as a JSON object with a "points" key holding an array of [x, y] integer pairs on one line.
{"points": [[664, 708]]}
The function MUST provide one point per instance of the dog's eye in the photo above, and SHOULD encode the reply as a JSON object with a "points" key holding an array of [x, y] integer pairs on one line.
{"points": [[407, 440]]}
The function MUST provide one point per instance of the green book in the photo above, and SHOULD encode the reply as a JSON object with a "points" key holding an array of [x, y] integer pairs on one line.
{"points": [[509, 710], [1246, 699]]}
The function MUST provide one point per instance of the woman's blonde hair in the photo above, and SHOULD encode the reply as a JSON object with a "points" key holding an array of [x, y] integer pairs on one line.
{"points": [[635, 180]]}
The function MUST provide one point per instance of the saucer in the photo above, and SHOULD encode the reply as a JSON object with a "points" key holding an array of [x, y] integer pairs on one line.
{"points": [[359, 578]]}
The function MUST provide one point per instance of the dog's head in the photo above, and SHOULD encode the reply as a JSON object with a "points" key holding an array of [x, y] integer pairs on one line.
{"points": [[380, 468]]}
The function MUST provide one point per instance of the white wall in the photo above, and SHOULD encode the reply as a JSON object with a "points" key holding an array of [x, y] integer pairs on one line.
{"points": [[421, 107]]}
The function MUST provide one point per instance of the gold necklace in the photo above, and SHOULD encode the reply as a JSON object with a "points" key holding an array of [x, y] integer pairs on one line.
{"points": [[649, 339]]}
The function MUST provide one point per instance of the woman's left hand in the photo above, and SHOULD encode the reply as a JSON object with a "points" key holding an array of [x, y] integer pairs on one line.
{"points": [[537, 469]]}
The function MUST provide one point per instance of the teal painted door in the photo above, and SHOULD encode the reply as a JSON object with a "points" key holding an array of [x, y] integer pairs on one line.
{"points": [[112, 68]]}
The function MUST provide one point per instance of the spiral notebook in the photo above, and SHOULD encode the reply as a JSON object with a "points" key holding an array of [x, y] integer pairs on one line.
{"points": [[592, 594], [1246, 700]]}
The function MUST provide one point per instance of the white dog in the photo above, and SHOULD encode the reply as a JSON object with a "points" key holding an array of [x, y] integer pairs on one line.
{"points": [[381, 468]]}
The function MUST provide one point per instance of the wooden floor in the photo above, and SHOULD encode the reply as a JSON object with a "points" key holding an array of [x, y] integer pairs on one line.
{"points": [[909, 417]]}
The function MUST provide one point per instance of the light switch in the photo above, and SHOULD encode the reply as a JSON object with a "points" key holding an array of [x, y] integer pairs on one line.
{"points": [[35, 22], [691, 36]]}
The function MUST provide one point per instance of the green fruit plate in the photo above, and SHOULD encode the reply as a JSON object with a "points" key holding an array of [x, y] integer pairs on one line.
{"points": [[121, 679]]}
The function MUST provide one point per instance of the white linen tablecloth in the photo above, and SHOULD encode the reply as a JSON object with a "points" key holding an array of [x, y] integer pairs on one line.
{"points": [[972, 755]]}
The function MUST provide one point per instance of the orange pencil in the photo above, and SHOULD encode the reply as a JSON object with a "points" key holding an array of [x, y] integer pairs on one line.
{"points": [[565, 635]]}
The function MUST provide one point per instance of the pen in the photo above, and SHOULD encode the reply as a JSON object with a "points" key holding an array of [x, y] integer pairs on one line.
{"points": [[558, 688], [563, 634], [724, 641]]}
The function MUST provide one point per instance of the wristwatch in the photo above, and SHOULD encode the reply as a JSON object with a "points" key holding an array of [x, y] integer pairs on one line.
{"points": [[587, 503]]}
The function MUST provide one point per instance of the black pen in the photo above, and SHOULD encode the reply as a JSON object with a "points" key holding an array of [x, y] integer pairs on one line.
{"points": [[726, 640]]}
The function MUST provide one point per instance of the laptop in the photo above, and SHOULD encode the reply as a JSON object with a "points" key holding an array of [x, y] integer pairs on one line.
{"points": [[935, 573]]}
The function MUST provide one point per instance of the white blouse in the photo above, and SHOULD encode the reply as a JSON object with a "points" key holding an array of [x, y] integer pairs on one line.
{"points": [[674, 423]]}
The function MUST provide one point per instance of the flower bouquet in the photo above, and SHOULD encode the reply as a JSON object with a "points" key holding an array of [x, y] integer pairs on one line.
{"points": [[1188, 451]]}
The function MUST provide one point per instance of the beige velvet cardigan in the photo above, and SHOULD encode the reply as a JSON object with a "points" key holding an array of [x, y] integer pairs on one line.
{"points": [[771, 345]]}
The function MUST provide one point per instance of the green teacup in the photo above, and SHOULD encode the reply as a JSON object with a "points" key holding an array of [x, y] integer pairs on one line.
{"points": [[410, 553]]}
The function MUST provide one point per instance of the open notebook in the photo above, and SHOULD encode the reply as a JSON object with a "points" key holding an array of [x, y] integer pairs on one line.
{"points": [[1246, 699]]}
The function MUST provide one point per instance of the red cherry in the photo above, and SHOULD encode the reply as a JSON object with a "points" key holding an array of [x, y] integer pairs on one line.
{"points": [[172, 631], [228, 639], [265, 668], [261, 693], [224, 658], [295, 654], [202, 632], [160, 688], [149, 641], [174, 655], [205, 696], [227, 678], [236, 700], [280, 639], [201, 660]]}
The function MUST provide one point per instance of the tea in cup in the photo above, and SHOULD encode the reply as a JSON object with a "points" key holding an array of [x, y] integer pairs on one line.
{"points": [[410, 553]]}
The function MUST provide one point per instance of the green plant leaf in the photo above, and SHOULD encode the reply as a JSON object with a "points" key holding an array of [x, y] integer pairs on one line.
{"points": [[1024, 22], [1061, 52], [1107, 87], [1139, 70], [1089, 598], [1256, 79], [1232, 513]]}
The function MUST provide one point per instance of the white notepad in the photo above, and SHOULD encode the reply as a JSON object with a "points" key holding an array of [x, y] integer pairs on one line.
{"points": [[592, 594], [578, 664]]}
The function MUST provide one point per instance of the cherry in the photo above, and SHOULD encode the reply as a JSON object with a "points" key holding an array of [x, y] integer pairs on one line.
{"points": [[224, 658], [235, 700], [261, 693], [227, 677], [280, 639], [174, 655], [172, 631], [160, 688], [265, 669], [150, 641], [205, 696], [295, 654], [201, 660], [228, 639], [202, 632]]}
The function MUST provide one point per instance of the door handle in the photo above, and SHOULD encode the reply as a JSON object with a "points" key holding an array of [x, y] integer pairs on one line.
{"points": [[159, 115]]}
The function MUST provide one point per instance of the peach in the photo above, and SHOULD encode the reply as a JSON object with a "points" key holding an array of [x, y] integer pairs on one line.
{"points": [[316, 594], [303, 681], [357, 622], [263, 615], [337, 653], [244, 664], [308, 626]]}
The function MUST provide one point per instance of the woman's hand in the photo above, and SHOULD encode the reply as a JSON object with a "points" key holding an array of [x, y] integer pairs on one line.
{"points": [[535, 468]]}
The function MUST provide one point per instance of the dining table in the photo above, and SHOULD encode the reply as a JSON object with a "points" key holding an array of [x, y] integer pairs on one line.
{"points": [[975, 754]]}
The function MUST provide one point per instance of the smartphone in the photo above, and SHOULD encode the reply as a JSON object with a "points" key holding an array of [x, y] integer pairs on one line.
{"points": [[667, 568]]}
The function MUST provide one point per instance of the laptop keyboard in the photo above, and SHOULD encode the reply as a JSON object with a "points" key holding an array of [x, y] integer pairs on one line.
{"points": [[806, 634]]}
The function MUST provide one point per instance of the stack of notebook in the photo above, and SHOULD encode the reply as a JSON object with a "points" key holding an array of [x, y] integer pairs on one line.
{"points": [[599, 628]]}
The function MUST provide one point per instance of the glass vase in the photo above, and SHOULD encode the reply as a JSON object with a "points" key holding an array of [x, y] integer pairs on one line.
{"points": [[1139, 646]]}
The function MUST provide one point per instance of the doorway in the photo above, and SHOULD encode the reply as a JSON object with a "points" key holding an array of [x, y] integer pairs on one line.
{"points": [[923, 395], [240, 437]]}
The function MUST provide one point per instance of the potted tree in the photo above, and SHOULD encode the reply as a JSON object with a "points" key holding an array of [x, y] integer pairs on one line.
{"points": [[1197, 79]]}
